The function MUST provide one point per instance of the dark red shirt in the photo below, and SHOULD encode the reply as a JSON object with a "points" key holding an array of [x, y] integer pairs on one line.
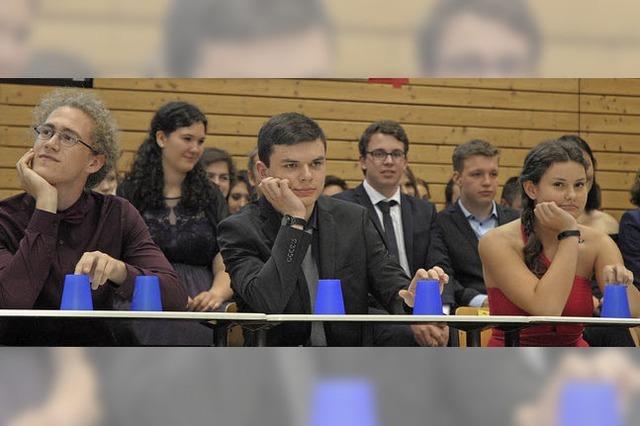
{"points": [[38, 248]]}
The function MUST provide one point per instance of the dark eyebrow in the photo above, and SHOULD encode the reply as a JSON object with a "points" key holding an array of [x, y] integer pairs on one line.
{"points": [[287, 160]]}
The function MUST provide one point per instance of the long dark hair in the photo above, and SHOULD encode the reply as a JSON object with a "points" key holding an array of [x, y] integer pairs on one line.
{"points": [[537, 162], [143, 185]]}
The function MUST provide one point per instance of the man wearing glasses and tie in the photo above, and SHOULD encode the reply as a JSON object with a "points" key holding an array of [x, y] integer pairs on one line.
{"points": [[404, 222], [58, 226]]}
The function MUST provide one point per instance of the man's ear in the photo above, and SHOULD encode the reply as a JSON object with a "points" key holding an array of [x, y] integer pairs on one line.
{"points": [[530, 189], [456, 177], [95, 163], [263, 170], [363, 164]]}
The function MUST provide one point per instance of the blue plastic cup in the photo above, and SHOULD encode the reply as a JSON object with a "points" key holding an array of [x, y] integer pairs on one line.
{"points": [[146, 294], [589, 403], [615, 302], [343, 402], [329, 298], [427, 299], [76, 293]]}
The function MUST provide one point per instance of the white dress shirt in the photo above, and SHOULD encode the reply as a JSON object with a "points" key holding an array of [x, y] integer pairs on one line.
{"points": [[396, 218]]}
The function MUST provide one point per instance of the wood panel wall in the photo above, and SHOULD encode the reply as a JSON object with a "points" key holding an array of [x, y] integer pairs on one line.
{"points": [[438, 114]]}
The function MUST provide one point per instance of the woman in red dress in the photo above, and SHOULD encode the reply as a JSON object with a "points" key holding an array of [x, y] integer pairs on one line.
{"points": [[540, 264]]}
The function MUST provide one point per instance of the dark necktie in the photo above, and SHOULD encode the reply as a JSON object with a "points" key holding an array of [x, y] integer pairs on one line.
{"points": [[385, 208]]}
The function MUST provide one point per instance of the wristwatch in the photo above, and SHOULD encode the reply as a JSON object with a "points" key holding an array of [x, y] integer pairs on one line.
{"points": [[288, 220], [569, 233]]}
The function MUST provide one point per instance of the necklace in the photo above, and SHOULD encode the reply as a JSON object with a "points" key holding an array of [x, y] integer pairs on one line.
{"points": [[173, 198]]}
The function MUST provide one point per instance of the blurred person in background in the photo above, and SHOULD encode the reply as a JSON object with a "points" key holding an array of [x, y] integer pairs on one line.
{"points": [[182, 208], [629, 237], [16, 21], [239, 193], [451, 193], [334, 185], [423, 189], [248, 38], [109, 184], [511, 195], [479, 38], [408, 182], [219, 167]]}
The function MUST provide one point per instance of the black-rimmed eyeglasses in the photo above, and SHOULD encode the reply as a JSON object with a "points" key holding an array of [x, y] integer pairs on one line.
{"points": [[381, 154]]}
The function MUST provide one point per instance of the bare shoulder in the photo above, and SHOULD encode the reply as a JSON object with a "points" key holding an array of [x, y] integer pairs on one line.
{"points": [[601, 221], [505, 237]]}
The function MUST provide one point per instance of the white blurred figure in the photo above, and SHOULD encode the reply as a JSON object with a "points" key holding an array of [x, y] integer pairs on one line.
{"points": [[611, 367], [15, 32], [248, 38], [73, 398], [479, 38]]}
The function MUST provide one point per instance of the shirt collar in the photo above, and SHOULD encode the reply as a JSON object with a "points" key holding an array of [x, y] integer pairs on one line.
{"points": [[376, 197], [468, 215]]}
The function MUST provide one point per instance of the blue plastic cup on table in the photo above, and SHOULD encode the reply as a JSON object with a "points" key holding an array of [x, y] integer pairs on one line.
{"points": [[615, 302], [329, 298], [427, 299], [589, 403], [343, 402], [76, 293], [146, 294]]}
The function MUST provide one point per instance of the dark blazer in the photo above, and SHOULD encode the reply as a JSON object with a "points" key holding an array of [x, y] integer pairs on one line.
{"points": [[454, 247], [264, 260], [629, 242], [418, 221]]}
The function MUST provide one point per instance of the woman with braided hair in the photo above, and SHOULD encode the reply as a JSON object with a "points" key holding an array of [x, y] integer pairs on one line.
{"points": [[540, 264]]}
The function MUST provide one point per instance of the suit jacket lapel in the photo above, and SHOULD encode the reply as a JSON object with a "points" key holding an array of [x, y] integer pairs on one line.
{"points": [[406, 208], [326, 239], [462, 224], [363, 199]]}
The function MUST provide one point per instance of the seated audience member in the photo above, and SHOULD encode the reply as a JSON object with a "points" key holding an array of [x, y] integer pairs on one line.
{"points": [[58, 226], [629, 240], [240, 192], [511, 196], [182, 208], [334, 185], [423, 189], [451, 193], [459, 227], [538, 265], [593, 216], [276, 249], [219, 167], [406, 222], [408, 183], [602, 221], [109, 184]]}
